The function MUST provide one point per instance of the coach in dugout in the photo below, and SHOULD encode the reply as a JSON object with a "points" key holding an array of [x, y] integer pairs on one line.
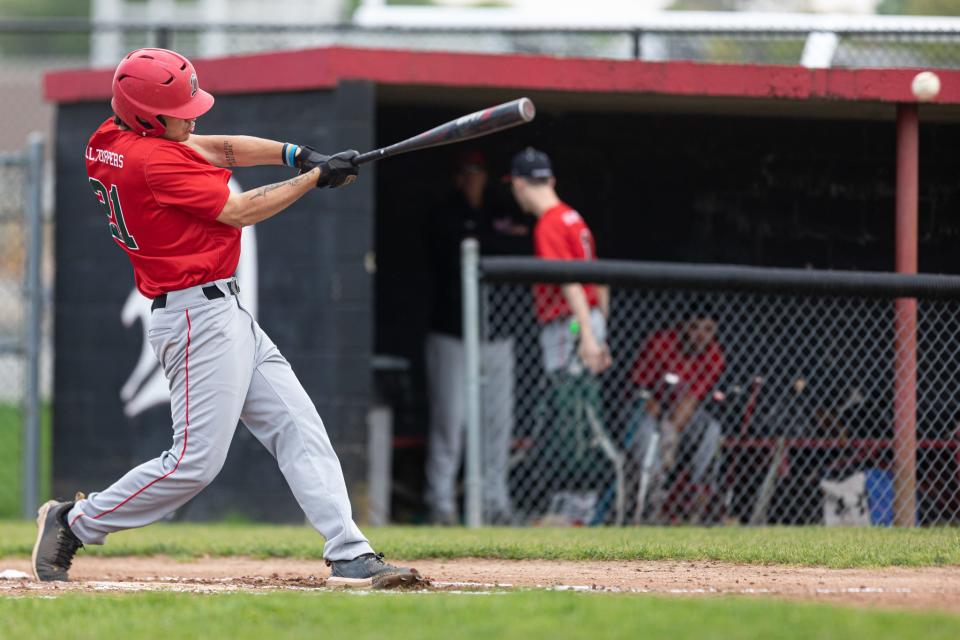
{"points": [[466, 213], [572, 319]]}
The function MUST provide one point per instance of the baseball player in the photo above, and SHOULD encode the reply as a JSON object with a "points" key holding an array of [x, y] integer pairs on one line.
{"points": [[674, 418], [163, 191], [561, 234], [572, 319]]}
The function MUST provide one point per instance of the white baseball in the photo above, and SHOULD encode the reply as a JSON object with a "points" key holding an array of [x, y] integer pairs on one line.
{"points": [[925, 86]]}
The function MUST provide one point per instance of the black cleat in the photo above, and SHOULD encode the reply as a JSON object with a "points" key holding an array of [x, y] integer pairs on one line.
{"points": [[56, 545], [370, 571]]}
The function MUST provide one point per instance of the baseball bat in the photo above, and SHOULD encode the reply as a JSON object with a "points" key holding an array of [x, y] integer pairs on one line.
{"points": [[769, 486], [473, 125]]}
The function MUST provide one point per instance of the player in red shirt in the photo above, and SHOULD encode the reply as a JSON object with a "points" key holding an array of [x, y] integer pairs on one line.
{"points": [[163, 191], [675, 371], [561, 234], [691, 353], [572, 319]]}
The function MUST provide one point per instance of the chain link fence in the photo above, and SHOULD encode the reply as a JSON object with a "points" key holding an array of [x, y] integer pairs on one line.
{"points": [[736, 396], [20, 327]]}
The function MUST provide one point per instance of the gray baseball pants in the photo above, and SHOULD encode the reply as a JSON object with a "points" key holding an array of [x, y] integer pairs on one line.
{"points": [[446, 380], [702, 436], [222, 368], [559, 346]]}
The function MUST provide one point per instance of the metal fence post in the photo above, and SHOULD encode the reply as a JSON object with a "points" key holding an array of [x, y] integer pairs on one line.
{"points": [[470, 257], [34, 293]]}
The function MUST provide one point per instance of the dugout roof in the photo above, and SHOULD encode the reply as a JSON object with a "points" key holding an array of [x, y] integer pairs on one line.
{"points": [[568, 83]]}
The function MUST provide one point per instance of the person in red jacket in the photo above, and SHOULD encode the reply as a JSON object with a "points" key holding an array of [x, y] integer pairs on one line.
{"points": [[674, 373], [689, 351], [164, 199]]}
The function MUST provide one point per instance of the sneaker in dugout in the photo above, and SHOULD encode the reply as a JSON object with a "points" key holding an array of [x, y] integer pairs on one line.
{"points": [[56, 545], [370, 571]]}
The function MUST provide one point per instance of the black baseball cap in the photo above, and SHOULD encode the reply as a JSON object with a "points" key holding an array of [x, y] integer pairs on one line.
{"points": [[531, 163], [471, 161]]}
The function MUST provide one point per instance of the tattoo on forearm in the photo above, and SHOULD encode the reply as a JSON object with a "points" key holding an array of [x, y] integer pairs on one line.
{"points": [[228, 154], [263, 191]]}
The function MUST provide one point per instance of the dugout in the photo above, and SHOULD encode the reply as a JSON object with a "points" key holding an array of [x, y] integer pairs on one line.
{"points": [[674, 161]]}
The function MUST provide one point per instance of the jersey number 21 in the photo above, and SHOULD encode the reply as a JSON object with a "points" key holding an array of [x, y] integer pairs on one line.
{"points": [[110, 201]]}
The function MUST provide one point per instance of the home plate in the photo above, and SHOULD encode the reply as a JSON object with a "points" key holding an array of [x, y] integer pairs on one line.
{"points": [[13, 574]]}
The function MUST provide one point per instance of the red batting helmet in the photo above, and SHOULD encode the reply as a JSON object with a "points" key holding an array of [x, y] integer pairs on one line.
{"points": [[153, 82]]}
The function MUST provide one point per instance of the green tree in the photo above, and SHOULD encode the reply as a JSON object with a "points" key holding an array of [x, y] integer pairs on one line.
{"points": [[36, 44], [44, 9], [919, 7]]}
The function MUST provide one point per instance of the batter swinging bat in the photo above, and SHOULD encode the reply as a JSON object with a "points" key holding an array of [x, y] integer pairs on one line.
{"points": [[490, 120]]}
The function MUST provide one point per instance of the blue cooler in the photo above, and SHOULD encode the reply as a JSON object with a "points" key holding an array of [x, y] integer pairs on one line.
{"points": [[880, 496]]}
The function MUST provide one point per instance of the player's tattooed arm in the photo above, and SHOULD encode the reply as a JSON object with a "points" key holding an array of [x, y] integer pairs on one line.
{"points": [[228, 154], [263, 191], [236, 151], [255, 205]]}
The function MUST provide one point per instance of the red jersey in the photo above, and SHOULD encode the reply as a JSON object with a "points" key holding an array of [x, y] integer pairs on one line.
{"points": [[663, 353], [161, 199], [561, 234]]}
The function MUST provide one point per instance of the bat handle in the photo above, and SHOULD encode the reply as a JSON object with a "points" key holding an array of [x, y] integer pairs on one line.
{"points": [[369, 156]]}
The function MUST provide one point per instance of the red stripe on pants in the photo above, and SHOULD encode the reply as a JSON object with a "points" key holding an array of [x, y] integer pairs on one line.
{"points": [[186, 430]]}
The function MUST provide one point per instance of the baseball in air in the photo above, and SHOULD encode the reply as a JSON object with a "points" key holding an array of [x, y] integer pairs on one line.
{"points": [[925, 86]]}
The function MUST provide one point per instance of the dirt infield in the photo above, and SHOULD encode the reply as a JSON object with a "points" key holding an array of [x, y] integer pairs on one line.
{"points": [[932, 588]]}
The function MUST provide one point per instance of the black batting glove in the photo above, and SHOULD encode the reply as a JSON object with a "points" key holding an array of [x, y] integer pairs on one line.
{"points": [[339, 169], [335, 171], [308, 158]]}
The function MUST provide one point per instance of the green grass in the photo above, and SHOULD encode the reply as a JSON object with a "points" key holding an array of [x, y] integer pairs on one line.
{"points": [[450, 616], [9, 461], [11, 424], [816, 546]]}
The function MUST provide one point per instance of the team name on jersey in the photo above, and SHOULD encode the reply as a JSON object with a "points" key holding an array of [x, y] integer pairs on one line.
{"points": [[106, 157]]}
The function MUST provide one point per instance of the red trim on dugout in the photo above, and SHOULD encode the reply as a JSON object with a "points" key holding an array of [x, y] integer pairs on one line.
{"points": [[186, 431], [322, 68]]}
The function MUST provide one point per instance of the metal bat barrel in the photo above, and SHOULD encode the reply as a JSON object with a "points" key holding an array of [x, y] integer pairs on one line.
{"points": [[480, 123]]}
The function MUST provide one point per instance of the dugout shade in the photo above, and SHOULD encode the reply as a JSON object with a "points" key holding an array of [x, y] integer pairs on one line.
{"points": [[683, 162]]}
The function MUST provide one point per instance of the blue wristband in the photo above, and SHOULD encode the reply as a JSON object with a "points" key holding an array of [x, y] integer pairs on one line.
{"points": [[289, 153]]}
